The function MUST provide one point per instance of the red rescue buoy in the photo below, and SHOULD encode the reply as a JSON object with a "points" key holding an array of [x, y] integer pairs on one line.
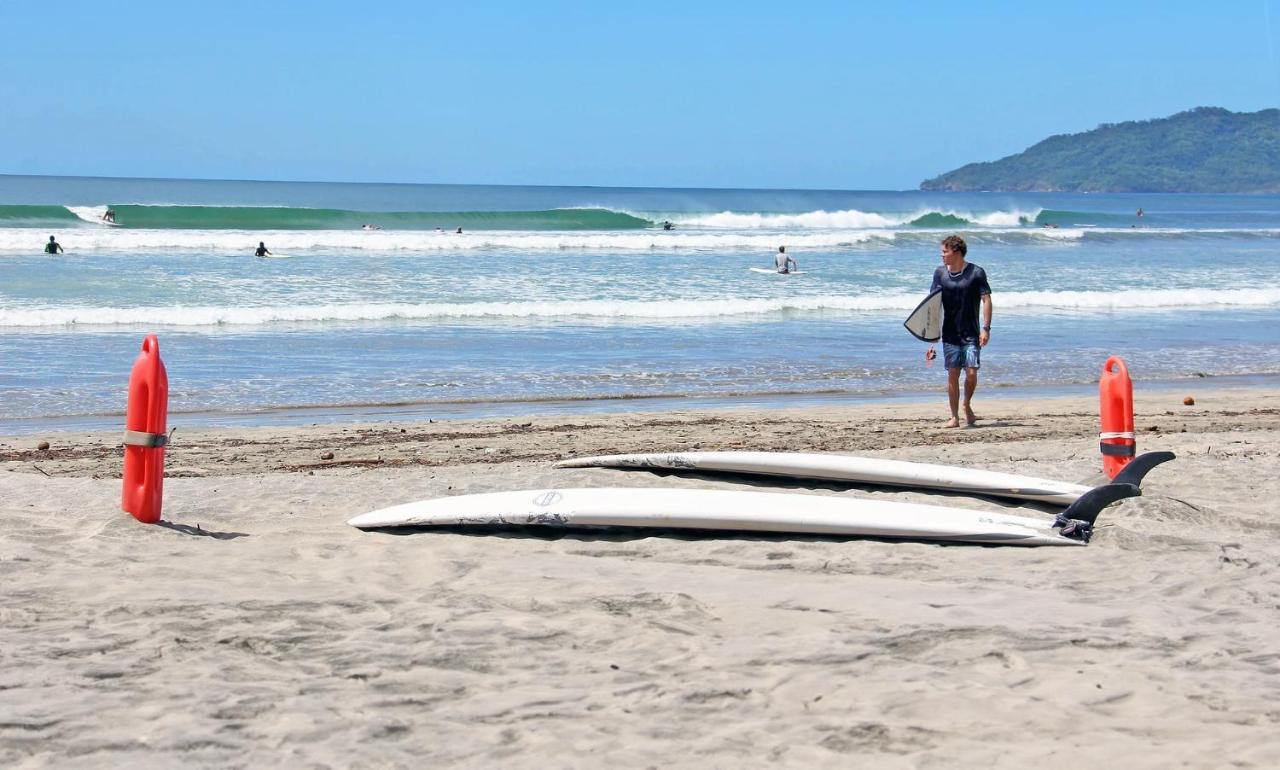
{"points": [[1116, 441], [144, 435]]}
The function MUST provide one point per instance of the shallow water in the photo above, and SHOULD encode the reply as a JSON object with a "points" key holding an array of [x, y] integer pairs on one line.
{"points": [[533, 311]]}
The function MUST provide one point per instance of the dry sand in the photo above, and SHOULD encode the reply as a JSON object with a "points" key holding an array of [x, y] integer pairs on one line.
{"points": [[254, 628]]}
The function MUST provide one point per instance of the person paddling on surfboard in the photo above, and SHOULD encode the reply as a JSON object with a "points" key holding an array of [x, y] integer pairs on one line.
{"points": [[784, 262], [964, 290], [262, 250], [52, 247]]}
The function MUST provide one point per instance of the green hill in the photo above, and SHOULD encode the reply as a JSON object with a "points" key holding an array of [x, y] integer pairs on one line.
{"points": [[1207, 149]]}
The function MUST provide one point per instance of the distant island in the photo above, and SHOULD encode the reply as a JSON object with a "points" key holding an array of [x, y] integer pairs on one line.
{"points": [[1207, 149]]}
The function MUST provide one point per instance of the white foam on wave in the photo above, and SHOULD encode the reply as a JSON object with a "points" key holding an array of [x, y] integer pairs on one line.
{"points": [[1002, 218], [611, 310], [1141, 299], [586, 309], [847, 219], [231, 242], [241, 242], [92, 214]]}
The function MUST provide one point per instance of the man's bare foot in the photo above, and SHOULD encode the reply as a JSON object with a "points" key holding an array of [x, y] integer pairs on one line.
{"points": [[969, 417], [954, 422]]}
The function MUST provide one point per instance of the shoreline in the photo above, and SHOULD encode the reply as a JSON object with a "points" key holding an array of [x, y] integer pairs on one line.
{"points": [[480, 409], [848, 426]]}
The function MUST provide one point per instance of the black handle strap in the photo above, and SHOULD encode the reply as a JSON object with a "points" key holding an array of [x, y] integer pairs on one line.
{"points": [[1118, 450], [144, 439]]}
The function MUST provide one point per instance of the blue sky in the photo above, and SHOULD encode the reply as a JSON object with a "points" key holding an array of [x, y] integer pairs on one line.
{"points": [[692, 94]]}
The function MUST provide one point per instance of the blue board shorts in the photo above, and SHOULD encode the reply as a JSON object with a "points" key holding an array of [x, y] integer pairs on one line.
{"points": [[967, 356]]}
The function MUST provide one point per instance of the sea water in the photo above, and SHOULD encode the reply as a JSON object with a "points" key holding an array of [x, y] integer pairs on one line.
{"points": [[577, 298]]}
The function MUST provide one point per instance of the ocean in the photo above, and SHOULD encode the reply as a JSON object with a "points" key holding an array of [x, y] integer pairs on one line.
{"points": [[576, 298]]}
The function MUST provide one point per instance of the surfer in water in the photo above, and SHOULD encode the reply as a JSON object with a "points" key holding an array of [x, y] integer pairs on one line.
{"points": [[109, 216], [262, 250], [52, 247], [965, 292], [784, 262], [668, 226]]}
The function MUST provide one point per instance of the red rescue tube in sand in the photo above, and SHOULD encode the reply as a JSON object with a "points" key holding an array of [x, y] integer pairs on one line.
{"points": [[1116, 441], [144, 435]]}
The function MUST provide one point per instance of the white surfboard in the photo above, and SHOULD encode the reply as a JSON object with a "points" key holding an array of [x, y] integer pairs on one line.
{"points": [[869, 470], [742, 511], [925, 322], [771, 271]]}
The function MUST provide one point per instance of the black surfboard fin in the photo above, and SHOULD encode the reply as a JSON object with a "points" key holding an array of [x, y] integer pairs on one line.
{"points": [[1138, 467], [1077, 521], [1091, 503]]}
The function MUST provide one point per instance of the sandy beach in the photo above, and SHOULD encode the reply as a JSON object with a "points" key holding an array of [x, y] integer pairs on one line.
{"points": [[254, 628]]}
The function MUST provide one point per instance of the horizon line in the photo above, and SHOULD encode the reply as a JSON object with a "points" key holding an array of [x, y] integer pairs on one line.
{"points": [[448, 184]]}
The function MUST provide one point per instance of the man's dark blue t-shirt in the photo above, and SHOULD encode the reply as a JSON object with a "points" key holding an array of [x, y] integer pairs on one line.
{"points": [[962, 295]]}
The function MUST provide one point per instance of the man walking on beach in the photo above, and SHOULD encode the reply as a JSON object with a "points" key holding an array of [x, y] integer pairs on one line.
{"points": [[964, 288]]}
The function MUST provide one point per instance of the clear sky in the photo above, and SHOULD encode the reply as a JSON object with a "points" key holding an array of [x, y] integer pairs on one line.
{"points": [[841, 95]]}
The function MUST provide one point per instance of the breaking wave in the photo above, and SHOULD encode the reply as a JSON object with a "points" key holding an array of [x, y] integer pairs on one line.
{"points": [[1129, 300]]}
